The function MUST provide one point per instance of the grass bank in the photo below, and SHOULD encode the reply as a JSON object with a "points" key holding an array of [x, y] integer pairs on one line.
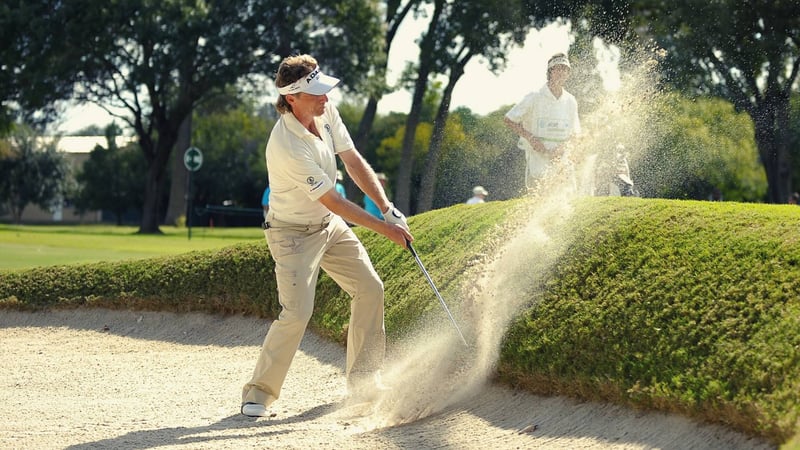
{"points": [[689, 307]]}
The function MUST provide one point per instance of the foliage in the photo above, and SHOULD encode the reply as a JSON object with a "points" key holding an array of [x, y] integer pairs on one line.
{"points": [[31, 171], [384, 126], [705, 145], [747, 55], [157, 60], [389, 153], [482, 152], [232, 140], [111, 180], [233, 279], [794, 139]]}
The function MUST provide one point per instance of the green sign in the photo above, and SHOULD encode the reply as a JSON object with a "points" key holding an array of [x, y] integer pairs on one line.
{"points": [[193, 159]]}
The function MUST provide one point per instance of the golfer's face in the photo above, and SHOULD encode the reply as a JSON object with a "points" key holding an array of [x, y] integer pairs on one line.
{"points": [[310, 104]]}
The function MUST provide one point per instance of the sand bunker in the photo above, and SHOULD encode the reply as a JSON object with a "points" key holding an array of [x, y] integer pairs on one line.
{"points": [[128, 380]]}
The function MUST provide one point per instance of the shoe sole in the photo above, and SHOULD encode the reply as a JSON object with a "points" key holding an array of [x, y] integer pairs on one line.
{"points": [[253, 410]]}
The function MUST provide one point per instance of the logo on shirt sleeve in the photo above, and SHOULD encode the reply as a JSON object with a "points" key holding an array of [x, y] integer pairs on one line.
{"points": [[310, 180]]}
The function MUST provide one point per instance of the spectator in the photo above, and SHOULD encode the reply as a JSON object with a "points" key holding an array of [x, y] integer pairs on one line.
{"points": [[339, 186], [369, 205], [265, 202], [478, 195]]}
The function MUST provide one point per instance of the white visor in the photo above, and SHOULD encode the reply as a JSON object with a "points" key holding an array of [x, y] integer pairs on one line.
{"points": [[315, 83], [559, 60]]}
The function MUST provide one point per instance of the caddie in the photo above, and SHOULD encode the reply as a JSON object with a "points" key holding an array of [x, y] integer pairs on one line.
{"points": [[545, 120]]}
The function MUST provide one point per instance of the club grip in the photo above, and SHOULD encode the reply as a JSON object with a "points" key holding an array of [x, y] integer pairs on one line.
{"points": [[411, 248]]}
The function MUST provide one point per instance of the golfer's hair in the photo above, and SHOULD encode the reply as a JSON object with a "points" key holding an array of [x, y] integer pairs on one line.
{"points": [[557, 55], [291, 69]]}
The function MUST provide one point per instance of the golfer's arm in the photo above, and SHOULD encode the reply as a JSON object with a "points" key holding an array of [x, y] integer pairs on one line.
{"points": [[364, 176], [525, 134], [353, 213]]}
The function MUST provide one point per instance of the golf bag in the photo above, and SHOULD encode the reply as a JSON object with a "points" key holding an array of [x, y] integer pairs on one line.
{"points": [[613, 175]]}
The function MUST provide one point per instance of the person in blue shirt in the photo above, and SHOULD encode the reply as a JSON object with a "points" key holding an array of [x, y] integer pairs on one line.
{"points": [[265, 202], [369, 205]]}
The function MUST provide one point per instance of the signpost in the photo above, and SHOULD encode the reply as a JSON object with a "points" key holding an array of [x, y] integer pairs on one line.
{"points": [[193, 160]]}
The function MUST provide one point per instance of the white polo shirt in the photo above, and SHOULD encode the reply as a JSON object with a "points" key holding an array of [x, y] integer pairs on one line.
{"points": [[552, 120], [302, 167]]}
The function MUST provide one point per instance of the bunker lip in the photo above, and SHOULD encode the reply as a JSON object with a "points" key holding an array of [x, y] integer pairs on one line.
{"points": [[129, 379]]}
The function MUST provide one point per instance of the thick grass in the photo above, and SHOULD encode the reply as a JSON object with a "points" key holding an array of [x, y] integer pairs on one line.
{"points": [[690, 307]]}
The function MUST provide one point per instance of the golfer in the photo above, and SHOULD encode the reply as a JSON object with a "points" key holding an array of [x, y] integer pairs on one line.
{"points": [[545, 120], [306, 230]]}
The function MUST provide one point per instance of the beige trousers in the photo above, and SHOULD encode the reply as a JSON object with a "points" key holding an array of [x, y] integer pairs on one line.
{"points": [[299, 252]]}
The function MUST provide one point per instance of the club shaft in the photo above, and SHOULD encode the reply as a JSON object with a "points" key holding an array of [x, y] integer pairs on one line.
{"points": [[436, 291]]}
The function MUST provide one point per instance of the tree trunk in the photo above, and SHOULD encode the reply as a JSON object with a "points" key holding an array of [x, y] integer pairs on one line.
{"points": [[154, 185], [152, 193], [361, 140], [177, 191], [403, 182], [428, 182], [771, 124]]}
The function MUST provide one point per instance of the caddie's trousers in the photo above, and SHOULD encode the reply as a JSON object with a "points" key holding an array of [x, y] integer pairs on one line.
{"points": [[299, 251]]}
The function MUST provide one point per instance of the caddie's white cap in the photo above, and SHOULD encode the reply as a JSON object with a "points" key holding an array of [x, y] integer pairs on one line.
{"points": [[558, 60], [479, 190], [315, 83]]}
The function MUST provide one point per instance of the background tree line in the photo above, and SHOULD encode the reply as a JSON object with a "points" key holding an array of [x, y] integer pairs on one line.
{"points": [[172, 65]]}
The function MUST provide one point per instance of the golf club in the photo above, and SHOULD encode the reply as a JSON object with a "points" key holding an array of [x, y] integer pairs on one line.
{"points": [[436, 291]]}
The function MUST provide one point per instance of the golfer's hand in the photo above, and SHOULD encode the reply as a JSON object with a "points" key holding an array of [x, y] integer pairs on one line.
{"points": [[394, 216], [398, 235]]}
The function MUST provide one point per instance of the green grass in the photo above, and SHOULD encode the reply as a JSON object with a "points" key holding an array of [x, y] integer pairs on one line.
{"points": [[27, 246], [680, 306]]}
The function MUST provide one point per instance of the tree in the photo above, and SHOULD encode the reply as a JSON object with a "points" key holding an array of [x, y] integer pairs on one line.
{"points": [[31, 171], [794, 139], [395, 12], [234, 169], [464, 41], [110, 180], [745, 52], [706, 145], [449, 43], [480, 157], [157, 60]]}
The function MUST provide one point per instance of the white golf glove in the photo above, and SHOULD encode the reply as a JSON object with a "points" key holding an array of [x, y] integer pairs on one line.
{"points": [[393, 215]]}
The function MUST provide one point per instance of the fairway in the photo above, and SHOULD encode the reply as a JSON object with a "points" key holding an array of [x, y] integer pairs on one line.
{"points": [[29, 246]]}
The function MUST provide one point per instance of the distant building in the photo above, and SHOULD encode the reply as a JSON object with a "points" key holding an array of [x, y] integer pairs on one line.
{"points": [[76, 150]]}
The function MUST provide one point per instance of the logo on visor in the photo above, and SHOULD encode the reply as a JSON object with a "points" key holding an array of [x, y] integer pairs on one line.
{"points": [[312, 75]]}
